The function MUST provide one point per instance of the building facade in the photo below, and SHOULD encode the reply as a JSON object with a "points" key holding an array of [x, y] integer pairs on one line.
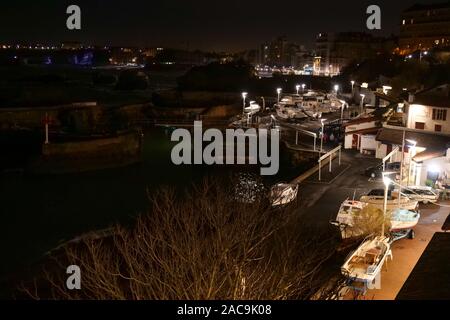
{"points": [[428, 110], [423, 27], [335, 51]]}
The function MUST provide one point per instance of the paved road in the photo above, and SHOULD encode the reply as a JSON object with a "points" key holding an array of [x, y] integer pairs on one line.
{"points": [[320, 202]]}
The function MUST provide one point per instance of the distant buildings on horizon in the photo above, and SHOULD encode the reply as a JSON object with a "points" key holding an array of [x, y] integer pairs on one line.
{"points": [[422, 27]]}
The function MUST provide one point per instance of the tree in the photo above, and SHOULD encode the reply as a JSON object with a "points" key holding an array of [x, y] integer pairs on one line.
{"points": [[202, 245], [232, 76]]}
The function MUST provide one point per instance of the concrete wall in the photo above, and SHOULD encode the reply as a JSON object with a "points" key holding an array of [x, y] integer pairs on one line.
{"points": [[94, 154]]}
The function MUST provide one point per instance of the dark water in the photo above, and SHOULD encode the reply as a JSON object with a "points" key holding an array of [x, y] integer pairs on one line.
{"points": [[40, 212]]}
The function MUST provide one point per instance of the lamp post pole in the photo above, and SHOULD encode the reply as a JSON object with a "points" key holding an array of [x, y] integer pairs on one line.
{"points": [[362, 102], [244, 95], [321, 137], [386, 187], [412, 152]]}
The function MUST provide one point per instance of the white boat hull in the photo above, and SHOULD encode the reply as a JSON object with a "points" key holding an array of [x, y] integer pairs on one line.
{"points": [[365, 263]]}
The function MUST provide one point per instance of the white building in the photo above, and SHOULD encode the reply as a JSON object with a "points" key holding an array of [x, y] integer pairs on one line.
{"points": [[360, 132], [426, 154], [428, 110]]}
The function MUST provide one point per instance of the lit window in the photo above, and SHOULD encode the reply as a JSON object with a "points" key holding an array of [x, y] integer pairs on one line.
{"points": [[403, 22]]}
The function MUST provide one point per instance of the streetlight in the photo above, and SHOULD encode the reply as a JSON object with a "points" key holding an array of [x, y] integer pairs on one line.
{"points": [[362, 101], [279, 93], [353, 83], [297, 87], [321, 136], [244, 95], [343, 103], [421, 55], [303, 86], [336, 88]]}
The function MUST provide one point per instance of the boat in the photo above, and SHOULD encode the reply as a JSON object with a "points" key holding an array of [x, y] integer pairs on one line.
{"points": [[252, 108], [282, 113], [345, 217], [364, 264], [283, 193], [287, 113], [376, 197], [401, 219]]}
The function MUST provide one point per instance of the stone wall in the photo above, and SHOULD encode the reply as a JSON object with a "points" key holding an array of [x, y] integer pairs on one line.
{"points": [[94, 154]]}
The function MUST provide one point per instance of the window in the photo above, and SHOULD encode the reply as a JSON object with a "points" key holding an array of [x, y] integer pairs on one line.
{"points": [[420, 125], [438, 128], [403, 22], [439, 114]]}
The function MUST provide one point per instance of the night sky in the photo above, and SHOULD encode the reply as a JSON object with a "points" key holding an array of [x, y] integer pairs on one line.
{"points": [[191, 24]]}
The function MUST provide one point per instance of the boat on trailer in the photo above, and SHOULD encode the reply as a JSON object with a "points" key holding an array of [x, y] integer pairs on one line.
{"points": [[401, 219], [365, 263]]}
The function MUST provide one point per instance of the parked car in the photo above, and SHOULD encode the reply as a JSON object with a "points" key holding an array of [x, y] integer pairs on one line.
{"points": [[376, 171], [421, 194]]}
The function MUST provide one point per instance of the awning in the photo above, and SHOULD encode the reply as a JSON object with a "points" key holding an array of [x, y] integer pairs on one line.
{"points": [[429, 154], [364, 131], [429, 140]]}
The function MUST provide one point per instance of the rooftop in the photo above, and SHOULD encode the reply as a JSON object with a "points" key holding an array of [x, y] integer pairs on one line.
{"points": [[430, 140], [423, 7], [430, 278], [436, 97]]}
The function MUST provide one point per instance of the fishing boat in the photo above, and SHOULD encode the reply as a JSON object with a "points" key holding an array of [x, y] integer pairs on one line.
{"points": [[364, 264], [283, 193]]}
